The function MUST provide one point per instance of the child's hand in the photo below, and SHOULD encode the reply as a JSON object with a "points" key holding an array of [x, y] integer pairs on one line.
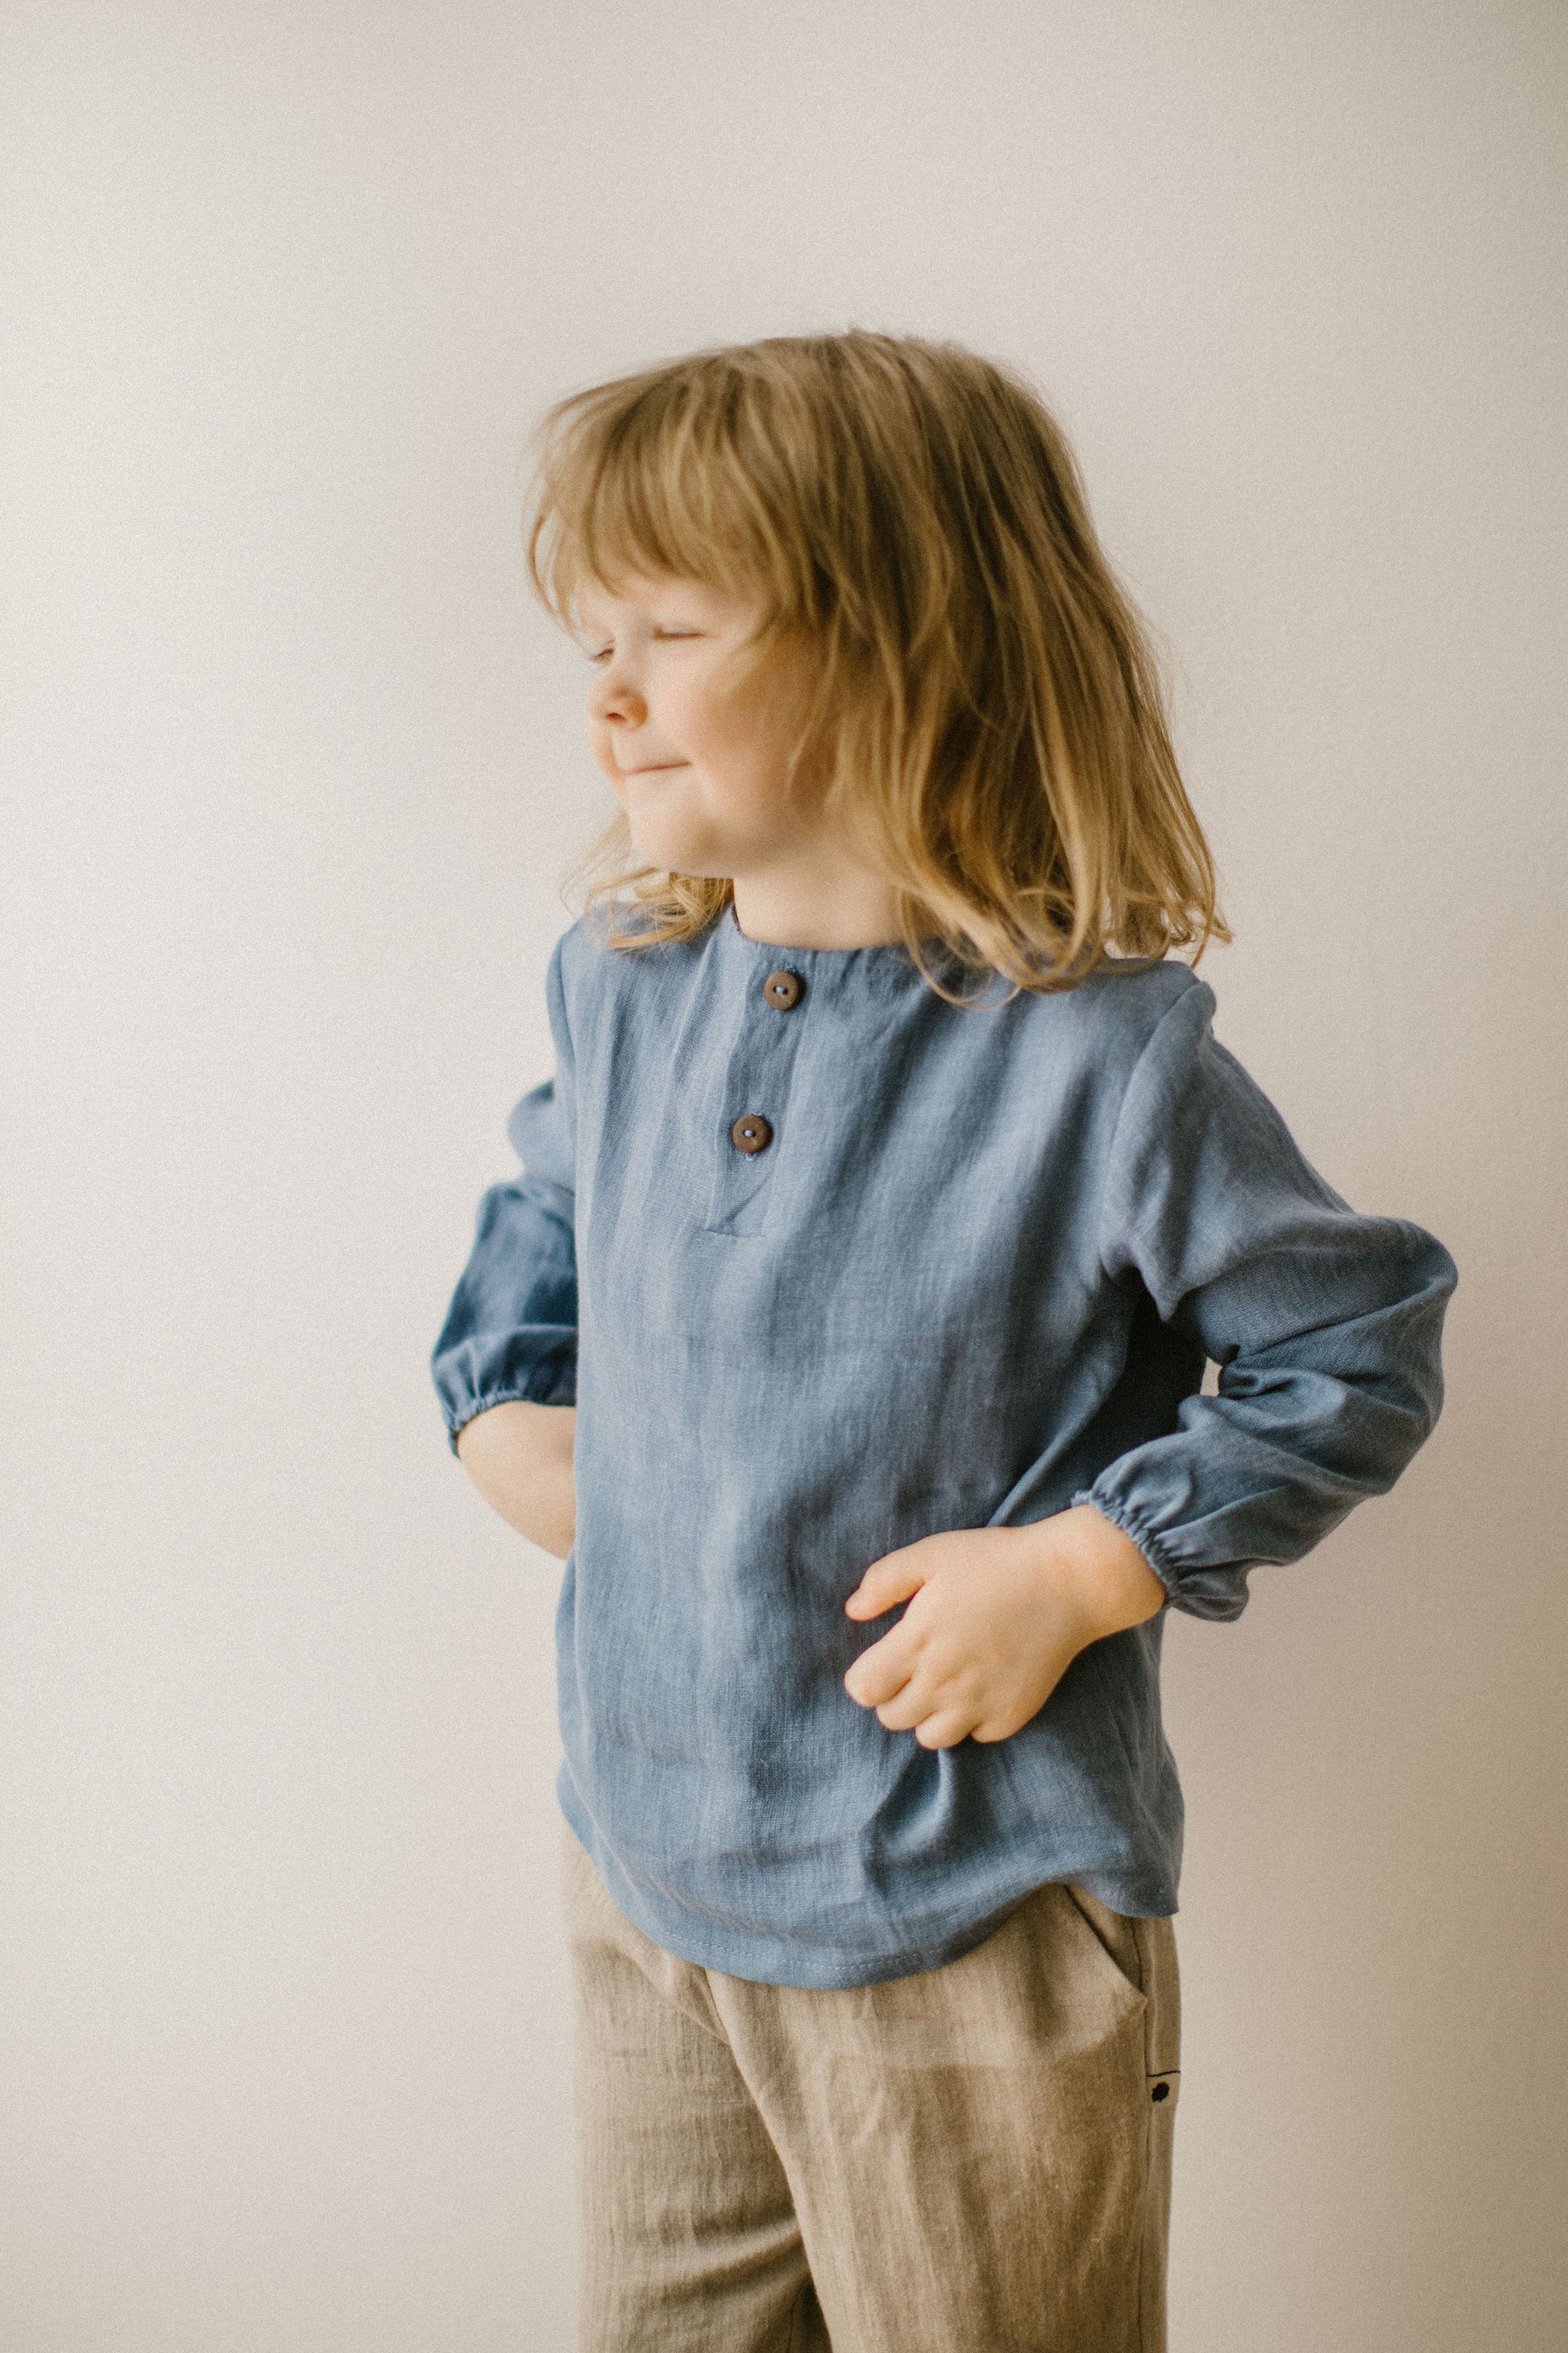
{"points": [[997, 1617]]}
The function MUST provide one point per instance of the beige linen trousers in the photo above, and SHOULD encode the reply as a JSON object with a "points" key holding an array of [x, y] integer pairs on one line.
{"points": [[975, 2157]]}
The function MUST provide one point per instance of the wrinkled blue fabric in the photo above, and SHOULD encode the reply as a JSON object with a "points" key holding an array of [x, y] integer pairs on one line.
{"points": [[974, 1279]]}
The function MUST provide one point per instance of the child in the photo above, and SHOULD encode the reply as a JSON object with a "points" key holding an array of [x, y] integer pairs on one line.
{"points": [[846, 1330]]}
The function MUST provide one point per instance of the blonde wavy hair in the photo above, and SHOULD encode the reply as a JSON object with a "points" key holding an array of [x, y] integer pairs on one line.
{"points": [[987, 694]]}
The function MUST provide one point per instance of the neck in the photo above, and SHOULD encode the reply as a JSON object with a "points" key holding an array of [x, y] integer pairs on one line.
{"points": [[854, 910]]}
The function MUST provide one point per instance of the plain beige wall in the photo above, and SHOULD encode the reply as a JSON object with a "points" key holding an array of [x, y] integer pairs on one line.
{"points": [[293, 771]]}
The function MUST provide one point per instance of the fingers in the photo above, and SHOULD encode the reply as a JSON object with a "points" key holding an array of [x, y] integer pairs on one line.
{"points": [[886, 1583], [934, 1725], [904, 1705], [999, 1728], [904, 1708], [879, 1674], [908, 1693], [945, 1729], [906, 1700]]}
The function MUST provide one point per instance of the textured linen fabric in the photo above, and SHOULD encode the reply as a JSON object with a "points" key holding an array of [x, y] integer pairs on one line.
{"points": [[979, 2155], [972, 1279]]}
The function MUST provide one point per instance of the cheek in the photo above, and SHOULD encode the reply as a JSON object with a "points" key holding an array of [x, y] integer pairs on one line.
{"points": [[726, 741]]}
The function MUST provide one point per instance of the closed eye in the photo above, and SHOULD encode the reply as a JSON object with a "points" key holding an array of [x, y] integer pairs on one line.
{"points": [[603, 653]]}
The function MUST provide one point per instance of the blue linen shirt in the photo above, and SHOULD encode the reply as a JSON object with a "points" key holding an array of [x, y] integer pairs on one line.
{"points": [[971, 1279]]}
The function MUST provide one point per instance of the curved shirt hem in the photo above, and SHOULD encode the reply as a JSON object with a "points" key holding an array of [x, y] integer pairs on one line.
{"points": [[781, 1961]]}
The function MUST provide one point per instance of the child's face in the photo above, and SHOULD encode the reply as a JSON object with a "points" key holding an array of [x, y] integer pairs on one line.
{"points": [[701, 768]]}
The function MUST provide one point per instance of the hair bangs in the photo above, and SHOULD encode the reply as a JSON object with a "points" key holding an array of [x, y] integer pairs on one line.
{"points": [[644, 477]]}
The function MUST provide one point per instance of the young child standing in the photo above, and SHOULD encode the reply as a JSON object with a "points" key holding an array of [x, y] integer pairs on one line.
{"points": [[845, 1332]]}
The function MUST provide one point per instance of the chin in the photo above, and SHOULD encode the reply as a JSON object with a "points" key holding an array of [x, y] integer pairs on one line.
{"points": [[673, 853]]}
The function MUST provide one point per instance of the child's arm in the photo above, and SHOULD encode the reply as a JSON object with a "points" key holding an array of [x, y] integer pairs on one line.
{"points": [[505, 1364], [997, 1617], [519, 1456], [1324, 1324]]}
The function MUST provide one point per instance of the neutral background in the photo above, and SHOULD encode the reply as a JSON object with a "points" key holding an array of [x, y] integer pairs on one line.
{"points": [[293, 773]]}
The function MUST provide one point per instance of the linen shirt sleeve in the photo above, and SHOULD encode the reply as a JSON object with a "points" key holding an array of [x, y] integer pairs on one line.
{"points": [[511, 1329], [1324, 1324]]}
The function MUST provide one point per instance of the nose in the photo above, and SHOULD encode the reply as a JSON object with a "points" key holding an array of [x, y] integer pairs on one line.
{"points": [[615, 696]]}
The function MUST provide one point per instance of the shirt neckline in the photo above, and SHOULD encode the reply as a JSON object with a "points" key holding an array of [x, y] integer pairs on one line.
{"points": [[785, 952]]}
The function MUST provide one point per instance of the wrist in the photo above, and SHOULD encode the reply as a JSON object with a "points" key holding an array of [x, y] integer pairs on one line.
{"points": [[1095, 1567]]}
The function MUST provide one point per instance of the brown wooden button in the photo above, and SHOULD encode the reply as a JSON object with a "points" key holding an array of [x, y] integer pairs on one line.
{"points": [[782, 989], [751, 1132]]}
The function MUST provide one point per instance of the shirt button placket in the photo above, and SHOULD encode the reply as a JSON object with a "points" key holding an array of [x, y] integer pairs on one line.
{"points": [[783, 990], [760, 1072]]}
